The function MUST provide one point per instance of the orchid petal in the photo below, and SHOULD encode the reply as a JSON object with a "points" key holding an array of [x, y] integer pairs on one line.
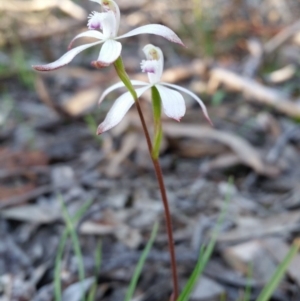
{"points": [[118, 17], [89, 34], [113, 6], [193, 95], [109, 24], [118, 110], [156, 29], [65, 59], [120, 85], [109, 53], [172, 101]]}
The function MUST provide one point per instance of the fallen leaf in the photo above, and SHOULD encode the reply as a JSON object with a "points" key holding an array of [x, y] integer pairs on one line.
{"points": [[207, 289], [253, 254], [251, 227], [37, 214], [278, 249], [82, 101], [77, 290]]}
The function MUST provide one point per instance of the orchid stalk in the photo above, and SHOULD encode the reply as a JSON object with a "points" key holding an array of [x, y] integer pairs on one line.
{"points": [[163, 98], [133, 94]]}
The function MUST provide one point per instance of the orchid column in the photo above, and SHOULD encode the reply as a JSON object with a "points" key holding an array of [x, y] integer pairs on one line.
{"points": [[103, 26]]}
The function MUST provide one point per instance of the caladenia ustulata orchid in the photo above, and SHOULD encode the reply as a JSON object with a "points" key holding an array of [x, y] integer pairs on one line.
{"points": [[163, 94], [164, 98], [173, 105], [104, 26]]}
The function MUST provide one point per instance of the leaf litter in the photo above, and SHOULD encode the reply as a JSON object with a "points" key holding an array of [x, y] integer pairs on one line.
{"points": [[48, 150]]}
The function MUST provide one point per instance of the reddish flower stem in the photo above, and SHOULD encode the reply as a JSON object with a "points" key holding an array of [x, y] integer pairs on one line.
{"points": [[162, 188]]}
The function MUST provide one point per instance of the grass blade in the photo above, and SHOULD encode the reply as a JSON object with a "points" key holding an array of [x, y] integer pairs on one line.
{"points": [[279, 273], [98, 260], [204, 254], [140, 264], [247, 293], [75, 241], [57, 268], [58, 259], [203, 258]]}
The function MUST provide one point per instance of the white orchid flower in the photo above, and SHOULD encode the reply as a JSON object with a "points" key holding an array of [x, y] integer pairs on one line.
{"points": [[172, 101], [104, 27]]}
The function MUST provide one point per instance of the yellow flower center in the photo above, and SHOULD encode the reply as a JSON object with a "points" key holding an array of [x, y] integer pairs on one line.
{"points": [[109, 5], [154, 54]]}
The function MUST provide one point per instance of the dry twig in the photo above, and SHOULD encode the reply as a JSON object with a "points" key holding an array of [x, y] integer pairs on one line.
{"points": [[254, 91], [66, 6]]}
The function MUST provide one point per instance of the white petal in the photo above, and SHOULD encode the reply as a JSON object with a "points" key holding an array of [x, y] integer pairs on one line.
{"points": [[154, 54], [109, 52], [120, 85], [172, 101], [193, 95], [157, 29], [118, 110], [113, 6], [89, 34], [109, 24], [98, 1], [65, 59]]}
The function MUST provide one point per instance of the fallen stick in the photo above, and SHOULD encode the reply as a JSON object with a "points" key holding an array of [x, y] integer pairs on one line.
{"points": [[26, 197], [281, 37], [253, 91]]}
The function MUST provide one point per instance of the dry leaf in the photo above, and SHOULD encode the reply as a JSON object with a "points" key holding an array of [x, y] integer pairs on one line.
{"points": [[37, 214], [82, 101], [251, 227]]}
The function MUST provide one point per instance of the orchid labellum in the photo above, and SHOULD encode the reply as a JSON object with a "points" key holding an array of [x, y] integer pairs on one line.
{"points": [[172, 101], [103, 26]]}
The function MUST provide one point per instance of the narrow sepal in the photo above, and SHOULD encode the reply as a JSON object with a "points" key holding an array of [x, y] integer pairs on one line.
{"points": [[118, 110], [156, 29], [88, 34], [65, 59], [119, 85]]}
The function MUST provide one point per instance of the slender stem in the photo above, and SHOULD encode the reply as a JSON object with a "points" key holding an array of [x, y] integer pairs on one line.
{"points": [[119, 66], [164, 197]]}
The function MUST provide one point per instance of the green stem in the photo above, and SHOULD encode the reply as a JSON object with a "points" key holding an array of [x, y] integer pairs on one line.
{"points": [[119, 66], [156, 104]]}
